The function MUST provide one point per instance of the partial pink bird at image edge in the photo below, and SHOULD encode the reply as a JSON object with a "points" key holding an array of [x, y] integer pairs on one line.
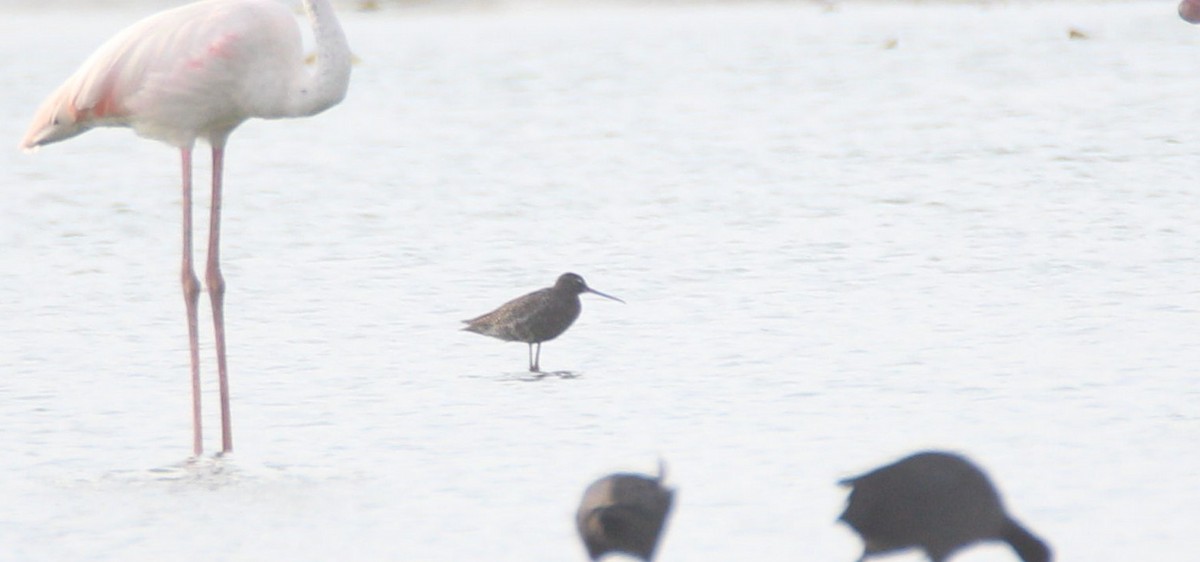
{"points": [[1189, 10], [197, 72]]}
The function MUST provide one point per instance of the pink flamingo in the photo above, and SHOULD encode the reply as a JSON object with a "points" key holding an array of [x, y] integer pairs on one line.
{"points": [[1189, 10], [197, 72]]}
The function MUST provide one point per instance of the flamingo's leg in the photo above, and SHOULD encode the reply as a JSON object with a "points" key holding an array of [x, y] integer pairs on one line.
{"points": [[191, 297], [216, 293]]}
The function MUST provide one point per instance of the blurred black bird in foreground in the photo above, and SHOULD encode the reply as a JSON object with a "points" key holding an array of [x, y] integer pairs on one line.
{"points": [[624, 513], [935, 501]]}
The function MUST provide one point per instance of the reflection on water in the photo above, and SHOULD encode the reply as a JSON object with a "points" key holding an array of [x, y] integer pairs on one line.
{"points": [[833, 252], [200, 473]]}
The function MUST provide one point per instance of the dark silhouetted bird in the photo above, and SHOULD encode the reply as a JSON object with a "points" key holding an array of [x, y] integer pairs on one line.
{"points": [[537, 317], [624, 513], [935, 501]]}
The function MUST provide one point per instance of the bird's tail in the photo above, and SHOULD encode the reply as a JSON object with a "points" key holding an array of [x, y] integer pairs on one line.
{"points": [[470, 327], [1028, 547], [848, 482]]}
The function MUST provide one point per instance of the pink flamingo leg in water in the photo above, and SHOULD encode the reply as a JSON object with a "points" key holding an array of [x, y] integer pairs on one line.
{"points": [[216, 292], [191, 297]]}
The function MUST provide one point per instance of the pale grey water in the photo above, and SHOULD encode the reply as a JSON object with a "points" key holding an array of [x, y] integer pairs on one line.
{"points": [[984, 239]]}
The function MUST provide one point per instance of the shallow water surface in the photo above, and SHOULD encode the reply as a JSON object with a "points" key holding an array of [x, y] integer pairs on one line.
{"points": [[842, 235]]}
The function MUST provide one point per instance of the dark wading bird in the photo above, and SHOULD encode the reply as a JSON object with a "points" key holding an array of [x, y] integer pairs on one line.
{"points": [[537, 317], [624, 513], [935, 501], [197, 72]]}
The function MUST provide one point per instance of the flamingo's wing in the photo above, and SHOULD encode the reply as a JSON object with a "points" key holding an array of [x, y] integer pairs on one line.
{"points": [[170, 75]]}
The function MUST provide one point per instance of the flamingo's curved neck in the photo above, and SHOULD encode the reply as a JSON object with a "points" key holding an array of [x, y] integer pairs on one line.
{"points": [[326, 85]]}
